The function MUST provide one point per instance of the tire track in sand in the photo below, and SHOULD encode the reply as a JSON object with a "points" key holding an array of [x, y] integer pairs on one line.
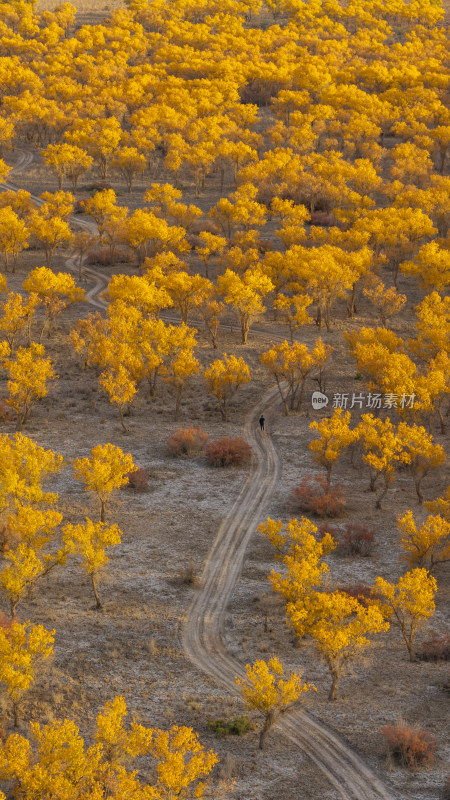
{"points": [[203, 626]]}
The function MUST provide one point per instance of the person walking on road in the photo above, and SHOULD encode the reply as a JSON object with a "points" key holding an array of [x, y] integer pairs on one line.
{"points": [[261, 422]]}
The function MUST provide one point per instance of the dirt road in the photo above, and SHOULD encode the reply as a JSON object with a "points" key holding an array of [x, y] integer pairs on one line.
{"points": [[202, 631]]}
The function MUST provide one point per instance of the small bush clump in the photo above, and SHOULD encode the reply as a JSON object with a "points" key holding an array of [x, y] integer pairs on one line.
{"points": [[186, 576], [138, 479], [232, 727], [436, 648], [317, 498], [359, 591], [229, 451], [410, 747], [101, 257], [6, 414], [325, 527], [356, 540], [187, 441]]}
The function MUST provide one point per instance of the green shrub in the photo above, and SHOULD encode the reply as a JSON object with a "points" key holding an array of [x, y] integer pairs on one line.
{"points": [[232, 727]]}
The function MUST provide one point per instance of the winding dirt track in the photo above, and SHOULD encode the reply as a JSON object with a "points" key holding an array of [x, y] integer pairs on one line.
{"points": [[203, 625], [202, 630]]}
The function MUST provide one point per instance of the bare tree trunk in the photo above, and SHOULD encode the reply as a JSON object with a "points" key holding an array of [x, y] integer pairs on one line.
{"points": [[383, 493], [265, 729], [334, 686], [417, 484], [124, 427], [94, 586]]}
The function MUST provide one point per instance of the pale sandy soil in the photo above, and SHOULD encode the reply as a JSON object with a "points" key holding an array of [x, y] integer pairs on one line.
{"points": [[133, 648]]}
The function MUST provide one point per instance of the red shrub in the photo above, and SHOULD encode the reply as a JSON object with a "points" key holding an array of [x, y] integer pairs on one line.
{"points": [[324, 528], [437, 648], [409, 746], [320, 218], [187, 441], [5, 413], [356, 540], [8, 538], [228, 451], [5, 623], [138, 479], [316, 497], [359, 591]]}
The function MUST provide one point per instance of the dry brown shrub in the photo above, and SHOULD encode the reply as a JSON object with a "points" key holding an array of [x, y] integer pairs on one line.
{"points": [[315, 497], [409, 746], [229, 451], [187, 441]]}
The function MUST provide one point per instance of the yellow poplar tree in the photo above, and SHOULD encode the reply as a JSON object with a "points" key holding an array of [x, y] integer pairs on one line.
{"points": [[302, 556], [22, 647], [290, 365], [292, 311], [129, 162], [341, 630], [17, 313], [388, 302], [383, 450], [181, 763], [23, 467], [408, 604], [187, 291], [58, 765], [67, 160], [55, 290], [427, 544], [28, 375], [245, 292], [119, 383], [441, 505], [432, 264], [211, 312], [104, 471], [224, 377], [27, 562], [334, 436], [423, 454], [211, 245], [90, 541], [178, 362], [267, 689], [51, 233], [14, 236]]}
